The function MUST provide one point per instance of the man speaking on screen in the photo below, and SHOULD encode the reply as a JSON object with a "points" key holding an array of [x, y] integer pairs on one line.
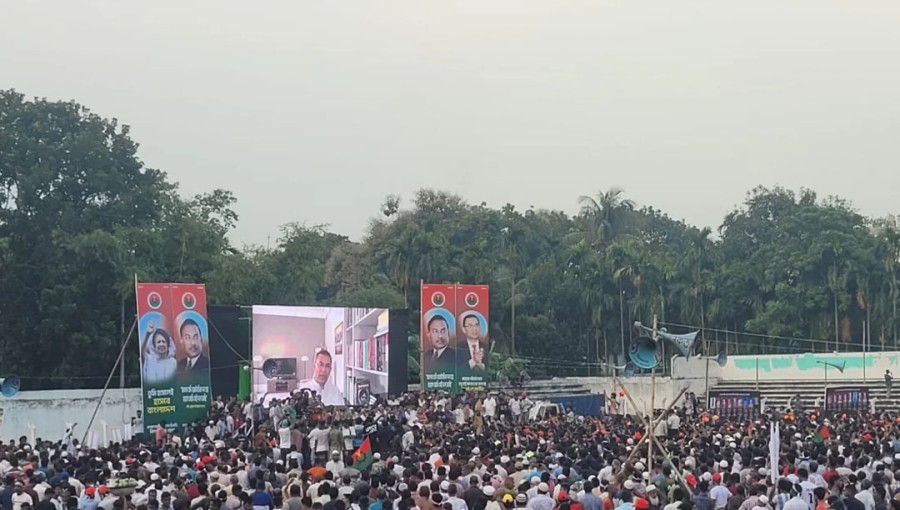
{"points": [[320, 382]]}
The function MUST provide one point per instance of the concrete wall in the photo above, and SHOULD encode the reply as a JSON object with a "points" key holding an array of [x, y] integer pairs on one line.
{"points": [[791, 367], [641, 389], [49, 411]]}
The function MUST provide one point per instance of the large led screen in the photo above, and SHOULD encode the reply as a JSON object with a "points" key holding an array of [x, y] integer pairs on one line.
{"points": [[346, 355]]}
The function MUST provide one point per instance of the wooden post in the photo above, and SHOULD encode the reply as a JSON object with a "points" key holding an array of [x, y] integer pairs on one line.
{"points": [[647, 424], [652, 404]]}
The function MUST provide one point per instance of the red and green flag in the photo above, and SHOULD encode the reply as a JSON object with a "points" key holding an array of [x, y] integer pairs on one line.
{"points": [[362, 457], [822, 435]]}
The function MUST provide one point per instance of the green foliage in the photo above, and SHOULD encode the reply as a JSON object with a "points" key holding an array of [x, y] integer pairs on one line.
{"points": [[81, 215]]}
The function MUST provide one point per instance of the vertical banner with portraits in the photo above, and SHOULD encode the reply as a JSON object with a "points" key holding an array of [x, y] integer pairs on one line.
{"points": [[472, 308], [454, 340], [438, 334], [174, 353]]}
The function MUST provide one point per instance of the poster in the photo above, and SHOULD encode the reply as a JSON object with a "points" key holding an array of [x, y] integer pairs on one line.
{"points": [[735, 405], [339, 339], [438, 348], [174, 354], [847, 399], [455, 346], [472, 309]]}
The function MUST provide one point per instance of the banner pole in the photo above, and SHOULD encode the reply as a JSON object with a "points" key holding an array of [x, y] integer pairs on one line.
{"points": [[122, 333], [421, 334], [108, 379]]}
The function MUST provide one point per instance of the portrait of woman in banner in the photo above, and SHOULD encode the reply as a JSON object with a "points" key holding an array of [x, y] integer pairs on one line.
{"points": [[157, 354]]}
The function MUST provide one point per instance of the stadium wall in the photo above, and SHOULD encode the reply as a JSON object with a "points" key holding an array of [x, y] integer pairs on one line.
{"points": [[50, 410], [790, 367]]}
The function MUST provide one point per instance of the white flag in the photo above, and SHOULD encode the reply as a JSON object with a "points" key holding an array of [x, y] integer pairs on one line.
{"points": [[774, 449]]}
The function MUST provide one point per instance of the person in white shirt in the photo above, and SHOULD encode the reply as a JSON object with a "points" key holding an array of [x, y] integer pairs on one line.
{"points": [[807, 487], [335, 465], [865, 496], [20, 497], [673, 422], [318, 441], [284, 435], [211, 430], [490, 407], [321, 383], [796, 503], [408, 440], [719, 493]]}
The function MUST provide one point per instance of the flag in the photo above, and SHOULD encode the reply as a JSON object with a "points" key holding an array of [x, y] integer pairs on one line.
{"points": [[362, 457], [774, 450], [822, 435]]}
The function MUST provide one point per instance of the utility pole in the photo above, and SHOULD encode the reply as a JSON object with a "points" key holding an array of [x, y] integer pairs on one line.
{"points": [[513, 327], [622, 321], [122, 334]]}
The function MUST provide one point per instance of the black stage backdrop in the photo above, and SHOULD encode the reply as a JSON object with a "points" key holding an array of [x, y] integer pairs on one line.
{"points": [[229, 345]]}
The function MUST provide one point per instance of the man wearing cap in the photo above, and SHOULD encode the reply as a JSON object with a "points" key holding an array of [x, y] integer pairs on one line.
{"points": [[719, 493], [87, 501], [335, 465], [521, 501], [20, 497], [542, 501]]}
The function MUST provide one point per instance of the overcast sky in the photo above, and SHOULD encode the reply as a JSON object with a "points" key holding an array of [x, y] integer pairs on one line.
{"points": [[314, 111]]}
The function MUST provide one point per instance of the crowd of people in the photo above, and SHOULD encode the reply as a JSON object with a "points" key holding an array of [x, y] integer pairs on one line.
{"points": [[434, 451]]}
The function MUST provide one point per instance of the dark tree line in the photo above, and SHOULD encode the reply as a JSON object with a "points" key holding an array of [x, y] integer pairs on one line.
{"points": [[80, 215]]}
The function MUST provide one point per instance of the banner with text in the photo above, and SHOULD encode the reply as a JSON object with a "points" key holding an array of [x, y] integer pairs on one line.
{"points": [[740, 405], [174, 353], [438, 337], [847, 399], [472, 309], [455, 347]]}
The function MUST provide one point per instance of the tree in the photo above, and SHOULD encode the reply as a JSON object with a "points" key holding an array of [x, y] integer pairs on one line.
{"points": [[606, 216], [81, 215], [70, 182]]}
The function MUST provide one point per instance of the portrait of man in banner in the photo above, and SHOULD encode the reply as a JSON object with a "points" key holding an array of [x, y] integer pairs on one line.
{"points": [[441, 356], [192, 341], [473, 353]]}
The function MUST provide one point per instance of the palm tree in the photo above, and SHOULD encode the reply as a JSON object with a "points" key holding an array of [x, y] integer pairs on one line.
{"points": [[890, 238], [694, 263], [608, 215]]}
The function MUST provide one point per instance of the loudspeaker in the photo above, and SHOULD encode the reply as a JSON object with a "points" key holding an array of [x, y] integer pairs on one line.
{"points": [[722, 358], [10, 386], [644, 352], [280, 368]]}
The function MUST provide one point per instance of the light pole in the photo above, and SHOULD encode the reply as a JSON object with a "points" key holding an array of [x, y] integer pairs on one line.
{"points": [[721, 359], [257, 367], [622, 321], [512, 284], [825, 365]]}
